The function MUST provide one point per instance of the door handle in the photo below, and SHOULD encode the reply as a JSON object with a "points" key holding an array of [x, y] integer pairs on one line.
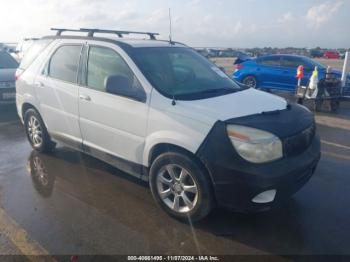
{"points": [[85, 97]]}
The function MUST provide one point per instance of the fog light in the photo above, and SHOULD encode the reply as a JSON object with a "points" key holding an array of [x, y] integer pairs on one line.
{"points": [[265, 197]]}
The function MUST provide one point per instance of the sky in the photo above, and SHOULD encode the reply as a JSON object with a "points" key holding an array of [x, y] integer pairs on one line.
{"points": [[198, 23]]}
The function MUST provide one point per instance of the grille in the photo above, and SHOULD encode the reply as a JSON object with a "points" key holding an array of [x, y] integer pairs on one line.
{"points": [[295, 145]]}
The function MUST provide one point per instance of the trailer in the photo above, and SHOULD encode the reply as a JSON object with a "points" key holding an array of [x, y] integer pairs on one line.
{"points": [[330, 90]]}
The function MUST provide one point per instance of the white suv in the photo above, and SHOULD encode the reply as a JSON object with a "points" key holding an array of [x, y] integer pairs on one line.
{"points": [[160, 111]]}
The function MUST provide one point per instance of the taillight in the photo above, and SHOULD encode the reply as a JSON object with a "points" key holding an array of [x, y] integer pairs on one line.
{"points": [[238, 67], [18, 74]]}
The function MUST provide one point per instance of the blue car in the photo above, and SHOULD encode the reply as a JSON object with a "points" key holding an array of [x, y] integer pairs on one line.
{"points": [[277, 71]]}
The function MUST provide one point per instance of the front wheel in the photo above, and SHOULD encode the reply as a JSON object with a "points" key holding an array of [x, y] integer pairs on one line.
{"points": [[181, 186], [250, 81]]}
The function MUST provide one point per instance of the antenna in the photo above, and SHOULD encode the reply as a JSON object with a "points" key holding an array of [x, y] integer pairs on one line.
{"points": [[170, 32]]}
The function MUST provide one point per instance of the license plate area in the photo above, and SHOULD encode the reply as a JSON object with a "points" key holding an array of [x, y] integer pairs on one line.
{"points": [[9, 96]]}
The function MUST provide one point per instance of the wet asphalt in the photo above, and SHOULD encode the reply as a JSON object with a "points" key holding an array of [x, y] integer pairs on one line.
{"points": [[73, 204]]}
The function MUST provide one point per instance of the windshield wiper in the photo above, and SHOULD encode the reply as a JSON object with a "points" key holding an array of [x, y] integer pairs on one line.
{"points": [[216, 90], [213, 91]]}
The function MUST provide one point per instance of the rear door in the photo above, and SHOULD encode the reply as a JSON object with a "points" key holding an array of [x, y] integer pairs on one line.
{"points": [[269, 70], [113, 127], [57, 90]]}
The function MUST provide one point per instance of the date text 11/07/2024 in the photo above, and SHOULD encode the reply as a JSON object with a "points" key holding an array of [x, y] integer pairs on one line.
{"points": [[173, 258]]}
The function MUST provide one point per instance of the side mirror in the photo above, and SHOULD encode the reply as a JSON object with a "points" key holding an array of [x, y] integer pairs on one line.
{"points": [[122, 86]]}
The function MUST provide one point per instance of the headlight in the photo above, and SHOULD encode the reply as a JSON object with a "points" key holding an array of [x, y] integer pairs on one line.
{"points": [[255, 145]]}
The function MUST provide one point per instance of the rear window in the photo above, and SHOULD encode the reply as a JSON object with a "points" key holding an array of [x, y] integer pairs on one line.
{"points": [[64, 63], [7, 61], [32, 53]]}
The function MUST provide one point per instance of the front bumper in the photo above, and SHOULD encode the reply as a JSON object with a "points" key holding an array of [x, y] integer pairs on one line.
{"points": [[237, 182], [286, 176]]}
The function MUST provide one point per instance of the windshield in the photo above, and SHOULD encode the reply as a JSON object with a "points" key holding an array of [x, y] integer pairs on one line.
{"points": [[182, 73], [6, 61]]}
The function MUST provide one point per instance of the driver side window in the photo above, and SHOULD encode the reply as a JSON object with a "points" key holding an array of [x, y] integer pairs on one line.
{"points": [[293, 62], [104, 62]]}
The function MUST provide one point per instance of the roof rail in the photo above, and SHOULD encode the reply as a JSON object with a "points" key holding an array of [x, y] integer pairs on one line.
{"points": [[61, 30], [92, 31], [31, 38]]}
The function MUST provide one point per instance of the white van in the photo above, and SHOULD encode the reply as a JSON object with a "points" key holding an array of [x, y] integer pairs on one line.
{"points": [[160, 111]]}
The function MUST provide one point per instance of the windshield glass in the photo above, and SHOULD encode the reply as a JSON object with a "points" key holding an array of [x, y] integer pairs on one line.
{"points": [[6, 61], [182, 73]]}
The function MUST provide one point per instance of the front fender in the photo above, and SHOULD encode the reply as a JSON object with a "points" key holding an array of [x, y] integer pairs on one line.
{"points": [[187, 142]]}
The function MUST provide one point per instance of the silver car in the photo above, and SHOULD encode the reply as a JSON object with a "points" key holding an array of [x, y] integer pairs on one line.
{"points": [[8, 66]]}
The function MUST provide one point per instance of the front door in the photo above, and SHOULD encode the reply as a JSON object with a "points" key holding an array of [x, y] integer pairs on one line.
{"points": [[113, 127], [289, 65]]}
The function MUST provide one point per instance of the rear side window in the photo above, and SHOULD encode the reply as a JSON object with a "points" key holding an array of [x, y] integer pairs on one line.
{"points": [[64, 63], [6, 61], [291, 62], [270, 61], [294, 62], [36, 48]]}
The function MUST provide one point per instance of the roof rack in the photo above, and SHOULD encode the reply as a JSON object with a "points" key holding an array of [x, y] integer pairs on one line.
{"points": [[92, 31]]}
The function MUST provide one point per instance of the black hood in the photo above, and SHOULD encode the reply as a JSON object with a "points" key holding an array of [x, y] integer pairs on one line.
{"points": [[282, 123]]}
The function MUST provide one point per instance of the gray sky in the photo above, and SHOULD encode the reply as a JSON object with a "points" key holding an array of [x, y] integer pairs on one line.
{"points": [[224, 23]]}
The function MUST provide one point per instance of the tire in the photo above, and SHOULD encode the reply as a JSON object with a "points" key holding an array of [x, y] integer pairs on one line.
{"points": [[190, 204], [250, 81], [318, 105], [36, 132], [334, 106]]}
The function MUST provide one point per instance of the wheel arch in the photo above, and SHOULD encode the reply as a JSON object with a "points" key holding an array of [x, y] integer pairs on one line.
{"points": [[161, 148], [25, 107], [249, 74]]}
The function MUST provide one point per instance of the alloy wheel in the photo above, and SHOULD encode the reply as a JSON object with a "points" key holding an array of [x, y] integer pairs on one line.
{"points": [[35, 131], [250, 81], [40, 171], [177, 188]]}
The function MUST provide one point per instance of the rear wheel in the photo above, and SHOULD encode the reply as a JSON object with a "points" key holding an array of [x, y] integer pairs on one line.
{"points": [[36, 132], [250, 81], [181, 186]]}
